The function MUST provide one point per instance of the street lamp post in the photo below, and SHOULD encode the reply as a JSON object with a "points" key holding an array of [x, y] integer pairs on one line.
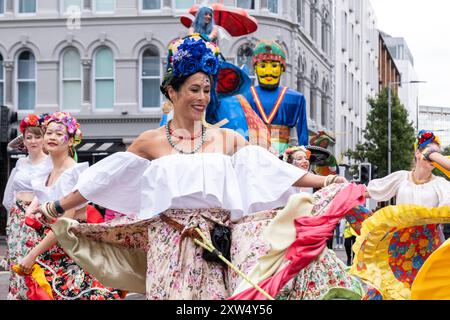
{"points": [[390, 84]]}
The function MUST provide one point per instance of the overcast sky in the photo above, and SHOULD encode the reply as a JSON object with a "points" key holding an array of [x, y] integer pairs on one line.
{"points": [[425, 25]]}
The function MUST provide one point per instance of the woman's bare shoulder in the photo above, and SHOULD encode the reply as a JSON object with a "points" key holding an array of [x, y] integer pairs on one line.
{"points": [[145, 143], [234, 140]]}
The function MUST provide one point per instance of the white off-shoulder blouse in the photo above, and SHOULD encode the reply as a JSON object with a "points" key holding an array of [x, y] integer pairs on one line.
{"points": [[21, 177], [63, 185], [251, 180], [435, 193]]}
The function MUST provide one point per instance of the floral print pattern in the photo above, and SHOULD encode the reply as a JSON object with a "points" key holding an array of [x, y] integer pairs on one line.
{"points": [[409, 248], [68, 280], [18, 236]]}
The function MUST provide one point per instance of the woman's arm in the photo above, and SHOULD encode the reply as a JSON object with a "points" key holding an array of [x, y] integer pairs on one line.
{"points": [[213, 35], [315, 181], [30, 259], [440, 159]]}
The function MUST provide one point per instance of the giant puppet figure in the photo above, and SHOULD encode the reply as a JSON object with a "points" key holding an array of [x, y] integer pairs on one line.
{"points": [[279, 107]]}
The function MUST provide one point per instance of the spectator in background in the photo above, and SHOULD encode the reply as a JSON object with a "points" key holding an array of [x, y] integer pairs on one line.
{"points": [[350, 238]]}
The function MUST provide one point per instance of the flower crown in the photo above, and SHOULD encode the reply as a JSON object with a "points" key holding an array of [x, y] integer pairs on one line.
{"points": [[188, 56], [72, 125], [424, 138], [290, 151], [31, 120], [193, 55]]}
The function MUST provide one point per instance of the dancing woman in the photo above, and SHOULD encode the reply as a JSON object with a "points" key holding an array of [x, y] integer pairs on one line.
{"points": [[178, 177], [19, 194], [68, 280], [397, 240]]}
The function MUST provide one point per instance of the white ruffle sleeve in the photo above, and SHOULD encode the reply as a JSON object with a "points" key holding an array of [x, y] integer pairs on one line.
{"points": [[9, 196], [62, 187], [265, 182], [443, 191], [114, 182], [386, 188]]}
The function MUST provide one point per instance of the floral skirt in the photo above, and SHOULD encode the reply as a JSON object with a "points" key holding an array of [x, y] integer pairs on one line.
{"points": [[68, 280], [19, 236], [174, 266]]}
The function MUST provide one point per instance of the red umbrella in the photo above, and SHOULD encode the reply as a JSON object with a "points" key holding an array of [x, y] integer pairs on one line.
{"points": [[236, 21]]}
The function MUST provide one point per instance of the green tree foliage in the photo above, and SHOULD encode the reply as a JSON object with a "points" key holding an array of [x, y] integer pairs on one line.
{"points": [[375, 148]]}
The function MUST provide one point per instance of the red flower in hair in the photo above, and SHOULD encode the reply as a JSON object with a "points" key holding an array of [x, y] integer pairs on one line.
{"points": [[31, 120]]}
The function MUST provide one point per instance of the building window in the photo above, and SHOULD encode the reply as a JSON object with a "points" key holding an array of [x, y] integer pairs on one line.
{"points": [[301, 12], [150, 78], [27, 6], [244, 57], [26, 81], [301, 74], [71, 80], [312, 103], [272, 5], [104, 5], [246, 4], [72, 5], [2, 7], [184, 4], [2, 89], [325, 32], [312, 18], [152, 4], [104, 79], [324, 110]]}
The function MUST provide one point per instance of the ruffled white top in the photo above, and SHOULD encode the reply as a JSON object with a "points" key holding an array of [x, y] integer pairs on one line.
{"points": [[251, 180], [435, 193], [22, 176], [62, 186]]}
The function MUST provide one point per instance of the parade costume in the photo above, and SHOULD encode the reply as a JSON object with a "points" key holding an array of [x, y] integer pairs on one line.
{"points": [[397, 240], [280, 108], [155, 253], [20, 180], [53, 269]]}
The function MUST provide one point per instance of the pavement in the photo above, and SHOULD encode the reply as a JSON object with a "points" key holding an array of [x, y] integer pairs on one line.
{"points": [[4, 275]]}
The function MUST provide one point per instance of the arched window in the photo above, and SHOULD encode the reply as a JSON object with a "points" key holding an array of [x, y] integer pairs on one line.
{"points": [[104, 79], [26, 81], [272, 5], [71, 80], [2, 89], [324, 110], [244, 57], [313, 95], [301, 12], [325, 32], [312, 19], [150, 78], [301, 72]]}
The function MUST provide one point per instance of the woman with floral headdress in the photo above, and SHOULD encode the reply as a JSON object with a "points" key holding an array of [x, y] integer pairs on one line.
{"points": [[299, 157], [418, 186], [397, 240], [19, 194], [204, 24], [60, 277], [177, 178]]}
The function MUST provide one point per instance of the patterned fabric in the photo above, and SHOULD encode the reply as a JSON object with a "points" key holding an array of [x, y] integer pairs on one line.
{"points": [[18, 240], [320, 278], [393, 244], [409, 248], [356, 217], [68, 280]]}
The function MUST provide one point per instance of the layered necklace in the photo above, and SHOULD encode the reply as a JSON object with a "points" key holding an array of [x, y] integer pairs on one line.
{"points": [[417, 181], [170, 133]]}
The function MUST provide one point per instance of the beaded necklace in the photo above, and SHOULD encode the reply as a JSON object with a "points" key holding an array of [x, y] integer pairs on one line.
{"points": [[417, 181], [169, 133]]}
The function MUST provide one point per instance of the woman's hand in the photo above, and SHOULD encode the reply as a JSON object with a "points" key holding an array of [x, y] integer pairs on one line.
{"points": [[340, 179], [26, 264]]}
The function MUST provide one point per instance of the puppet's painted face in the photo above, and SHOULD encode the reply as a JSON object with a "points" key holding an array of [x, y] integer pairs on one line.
{"points": [[269, 73]]}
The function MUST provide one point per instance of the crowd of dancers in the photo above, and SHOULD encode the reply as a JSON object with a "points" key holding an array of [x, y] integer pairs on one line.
{"points": [[191, 185]]}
